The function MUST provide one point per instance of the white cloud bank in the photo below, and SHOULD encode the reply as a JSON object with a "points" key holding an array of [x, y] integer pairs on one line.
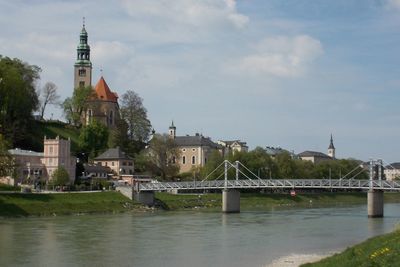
{"points": [[280, 56]]}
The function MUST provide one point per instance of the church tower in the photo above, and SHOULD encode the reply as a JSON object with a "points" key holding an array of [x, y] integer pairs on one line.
{"points": [[83, 66], [331, 149], [172, 131]]}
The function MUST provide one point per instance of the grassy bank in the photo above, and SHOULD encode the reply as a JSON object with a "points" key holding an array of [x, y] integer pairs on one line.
{"points": [[377, 251], [13, 205], [249, 201]]}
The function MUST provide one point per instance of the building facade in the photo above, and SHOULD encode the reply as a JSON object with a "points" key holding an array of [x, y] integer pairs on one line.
{"points": [[103, 104], [233, 146], [194, 150], [392, 171], [32, 167], [115, 159]]}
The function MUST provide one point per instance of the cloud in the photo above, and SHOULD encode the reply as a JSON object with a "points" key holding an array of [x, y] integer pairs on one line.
{"points": [[393, 4], [188, 12], [110, 51], [280, 56]]}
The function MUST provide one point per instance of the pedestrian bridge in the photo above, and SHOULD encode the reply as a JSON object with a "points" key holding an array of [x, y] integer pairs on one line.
{"points": [[272, 183], [144, 192]]}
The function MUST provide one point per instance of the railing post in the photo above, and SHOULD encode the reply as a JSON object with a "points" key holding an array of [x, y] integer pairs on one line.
{"points": [[237, 169], [226, 175]]}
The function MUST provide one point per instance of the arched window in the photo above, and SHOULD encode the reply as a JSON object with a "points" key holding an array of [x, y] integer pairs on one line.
{"points": [[111, 118], [194, 160], [183, 160]]}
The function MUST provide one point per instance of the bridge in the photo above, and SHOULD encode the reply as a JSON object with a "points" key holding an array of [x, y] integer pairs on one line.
{"points": [[144, 192]]}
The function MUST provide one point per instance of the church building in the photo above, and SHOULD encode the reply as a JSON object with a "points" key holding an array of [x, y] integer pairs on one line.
{"points": [[103, 104]]}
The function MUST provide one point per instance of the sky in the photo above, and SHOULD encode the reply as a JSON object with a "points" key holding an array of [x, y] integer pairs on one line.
{"points": [[267, 72]]}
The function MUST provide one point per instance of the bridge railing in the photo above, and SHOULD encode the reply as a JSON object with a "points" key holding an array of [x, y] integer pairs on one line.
{"points": [[272, 183]]}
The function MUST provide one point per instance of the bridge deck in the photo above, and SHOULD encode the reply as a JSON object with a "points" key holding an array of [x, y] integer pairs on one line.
{"points": [[272, 183]]}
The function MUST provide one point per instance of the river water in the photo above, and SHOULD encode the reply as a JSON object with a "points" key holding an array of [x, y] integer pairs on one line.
{"points": [[251, 238]]}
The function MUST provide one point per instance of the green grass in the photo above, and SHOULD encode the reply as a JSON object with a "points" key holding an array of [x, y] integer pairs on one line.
{"points": [[252, 201], [377, 251], [15, 204]]}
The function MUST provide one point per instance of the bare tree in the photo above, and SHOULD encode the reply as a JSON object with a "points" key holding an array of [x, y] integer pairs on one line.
{"points": [[48, 96]]}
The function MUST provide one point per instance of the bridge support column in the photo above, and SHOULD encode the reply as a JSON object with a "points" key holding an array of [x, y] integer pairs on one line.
{"points": [[144, 197], [375, 203], [230, 201]]}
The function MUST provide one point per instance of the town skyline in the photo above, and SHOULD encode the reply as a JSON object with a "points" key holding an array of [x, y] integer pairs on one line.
{"points": [[265, 73]]}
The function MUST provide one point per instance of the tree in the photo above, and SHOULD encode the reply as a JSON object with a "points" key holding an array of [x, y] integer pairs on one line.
{"points": [[18, 98], [161, 155], [48, 96], [93, 138], [60, 176], [7, 164], [135, 115], [75, 107]]}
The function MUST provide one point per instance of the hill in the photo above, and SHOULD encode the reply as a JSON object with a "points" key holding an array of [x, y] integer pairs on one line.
{"points": [[50, 129]]}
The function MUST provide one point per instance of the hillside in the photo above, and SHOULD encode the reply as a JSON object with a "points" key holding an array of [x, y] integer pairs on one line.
{"points": [[50, 129]]}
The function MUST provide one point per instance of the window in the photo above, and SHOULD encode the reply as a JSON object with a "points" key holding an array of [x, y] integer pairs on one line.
{"points": [[193, 149], [111, 117], [82, 72], [81, 84], [183, 160], [193, 160], [205, 160], [50, 161], [173, 160], [112, 163], [183, 150], [51, 150], [130, 164]]}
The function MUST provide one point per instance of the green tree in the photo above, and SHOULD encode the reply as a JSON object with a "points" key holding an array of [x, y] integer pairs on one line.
{"points": [[18, 98], [7, 164], [75, 107], [286, 166], [135, 115], [60, 176], [161, 155], [93, 138], [213, 161]]}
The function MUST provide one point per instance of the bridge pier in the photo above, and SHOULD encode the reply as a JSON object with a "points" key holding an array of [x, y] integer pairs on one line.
{"points": [[375, 203], [230, 201], [144, 197]]}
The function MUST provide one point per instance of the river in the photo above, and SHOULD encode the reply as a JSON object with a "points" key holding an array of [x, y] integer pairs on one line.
{"points": [[189, 238]]}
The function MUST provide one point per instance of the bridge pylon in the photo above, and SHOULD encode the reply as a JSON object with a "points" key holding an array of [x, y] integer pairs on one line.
{"points": [[375, 196]]}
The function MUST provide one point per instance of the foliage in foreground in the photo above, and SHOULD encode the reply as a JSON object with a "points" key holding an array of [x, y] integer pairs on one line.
{"points": [[377, 251]]}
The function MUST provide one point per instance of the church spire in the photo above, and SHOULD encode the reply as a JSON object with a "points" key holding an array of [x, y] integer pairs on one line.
{"points": [[83, 65], [331, 149]]}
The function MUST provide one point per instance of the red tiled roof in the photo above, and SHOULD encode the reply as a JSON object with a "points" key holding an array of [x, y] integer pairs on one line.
{"points": [[103, 91]]}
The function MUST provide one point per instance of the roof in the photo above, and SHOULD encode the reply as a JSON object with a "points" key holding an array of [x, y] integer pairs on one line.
{"points": [[113, 153], [197, 140], [273, 151], [21, 152], [103, 91], [229, 143], [96, 168], [395, 165], [313, 154]]}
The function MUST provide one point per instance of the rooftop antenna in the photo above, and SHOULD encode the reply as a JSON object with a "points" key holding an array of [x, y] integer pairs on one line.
{"points": [[101, 72], [83, 19]]}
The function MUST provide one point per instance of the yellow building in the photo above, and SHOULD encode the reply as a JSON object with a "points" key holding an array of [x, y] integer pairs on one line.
{"points": [[194, 150], [117, 161]]}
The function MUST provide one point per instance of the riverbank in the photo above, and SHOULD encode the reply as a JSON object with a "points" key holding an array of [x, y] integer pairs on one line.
{"points": [[254, 201], [382, 250], [18, 205]]}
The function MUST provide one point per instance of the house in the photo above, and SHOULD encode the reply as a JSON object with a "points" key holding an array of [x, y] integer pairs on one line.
{"points": [[92, 171], [314, 156], [117, 161], [33, 167], [392, 171], [195, 150], [232, 146]]}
